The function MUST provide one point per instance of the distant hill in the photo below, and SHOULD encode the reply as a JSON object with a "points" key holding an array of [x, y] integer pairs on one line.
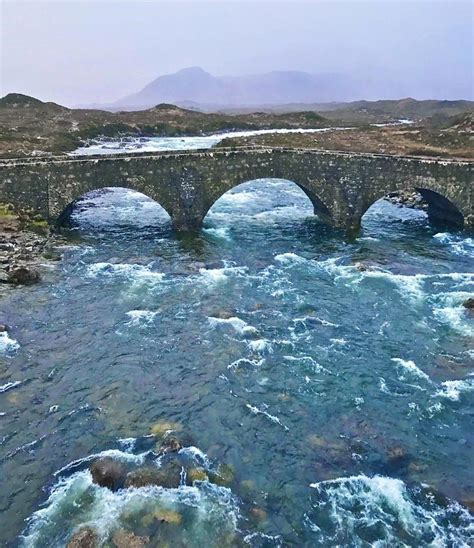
{"points": [[359, 111], [196, 86], [30, 126], [408, 108], [277, 91]]}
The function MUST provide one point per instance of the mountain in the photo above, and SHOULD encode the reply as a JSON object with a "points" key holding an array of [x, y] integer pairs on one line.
{"points": [[196, 86]]}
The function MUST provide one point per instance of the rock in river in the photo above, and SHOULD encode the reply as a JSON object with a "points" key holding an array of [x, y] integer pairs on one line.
{"points": [[469, 304], [85, 537], [22, 275], [168, 476], [108, 472], [126, 539]]}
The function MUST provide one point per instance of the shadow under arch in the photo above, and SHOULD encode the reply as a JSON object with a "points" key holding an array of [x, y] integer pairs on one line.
{"points": [[439, 209], [319, 207], [64, 219]]}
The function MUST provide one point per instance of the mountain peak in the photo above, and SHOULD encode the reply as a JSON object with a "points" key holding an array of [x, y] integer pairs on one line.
{"points": [[19, 99], [194, 84], [193, 71]]}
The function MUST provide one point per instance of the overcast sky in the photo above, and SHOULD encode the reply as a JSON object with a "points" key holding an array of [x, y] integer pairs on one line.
{"points": [[76, 52]]}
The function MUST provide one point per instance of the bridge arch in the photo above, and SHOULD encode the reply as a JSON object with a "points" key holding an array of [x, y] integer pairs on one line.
{"points": [[318, 206], [440, 209], [118, 199]]}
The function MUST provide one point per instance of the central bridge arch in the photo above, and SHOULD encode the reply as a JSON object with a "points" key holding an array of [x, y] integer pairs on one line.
{"points": [[319, 208]]}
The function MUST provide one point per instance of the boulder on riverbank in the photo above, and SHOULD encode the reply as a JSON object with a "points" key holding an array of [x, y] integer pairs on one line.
{"points": [[108, 472], [23, 275], [25, 242]]}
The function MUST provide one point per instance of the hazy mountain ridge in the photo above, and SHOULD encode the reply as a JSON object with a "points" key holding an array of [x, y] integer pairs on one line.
{"points": [[194, 87], [277, 87]]}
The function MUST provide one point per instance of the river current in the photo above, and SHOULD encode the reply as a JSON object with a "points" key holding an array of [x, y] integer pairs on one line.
{"points": [[332, 379]]}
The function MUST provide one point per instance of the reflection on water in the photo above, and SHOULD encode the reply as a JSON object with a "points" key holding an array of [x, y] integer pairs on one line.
{"points": [[334, 379]]}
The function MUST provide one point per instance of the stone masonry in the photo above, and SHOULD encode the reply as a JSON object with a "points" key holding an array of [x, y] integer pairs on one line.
{"points": [[341, 186]]}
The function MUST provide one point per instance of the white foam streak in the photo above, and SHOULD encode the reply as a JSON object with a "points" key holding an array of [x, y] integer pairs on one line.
{"points": [[256, 411], [136, 273], [452, 390], [7, 344], [411, 367], [140, 317], [9, 386], [236, 323]]}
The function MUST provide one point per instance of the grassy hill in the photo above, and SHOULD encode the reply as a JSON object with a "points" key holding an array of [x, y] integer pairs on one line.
{"points": [[369, 111], [29, 126]]}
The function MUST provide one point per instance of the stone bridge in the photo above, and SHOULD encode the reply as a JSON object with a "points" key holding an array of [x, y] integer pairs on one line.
{"points": [[341, 186]]}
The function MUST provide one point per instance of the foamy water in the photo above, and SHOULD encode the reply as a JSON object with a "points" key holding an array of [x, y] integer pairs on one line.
{"points": [[157, 144], [333, 378]]}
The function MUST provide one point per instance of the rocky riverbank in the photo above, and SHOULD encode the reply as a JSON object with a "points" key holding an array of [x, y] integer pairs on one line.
{"points": [[26, 244]]}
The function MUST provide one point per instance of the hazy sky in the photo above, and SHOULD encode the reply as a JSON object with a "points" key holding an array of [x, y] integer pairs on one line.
{"points": [[75, 52]]}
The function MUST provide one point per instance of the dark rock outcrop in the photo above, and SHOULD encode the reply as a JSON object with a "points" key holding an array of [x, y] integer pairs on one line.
{"points": [[108, 472], [171, 444], [168, 476], [23, 275], [469, 304]]}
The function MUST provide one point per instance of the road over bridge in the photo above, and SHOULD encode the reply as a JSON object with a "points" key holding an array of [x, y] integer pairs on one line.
{"points": [[340, 185]]}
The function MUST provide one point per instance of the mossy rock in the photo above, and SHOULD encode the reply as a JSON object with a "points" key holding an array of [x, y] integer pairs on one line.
{"points": [[169, 476], [161, 428], [197, 474], [223, 476], [38, 227]]}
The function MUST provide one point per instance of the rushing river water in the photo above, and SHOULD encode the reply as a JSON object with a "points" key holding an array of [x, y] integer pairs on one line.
{"points": [[157, 144], [333, 379]]}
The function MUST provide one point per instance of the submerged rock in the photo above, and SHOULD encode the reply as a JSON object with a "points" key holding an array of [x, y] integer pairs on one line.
{"points": [[397, 458], [23, 275], [168, 476], [108, 472], [162, 515], [223, 314], [224, 475], [85, 537], [258, 514], [126, 539]]}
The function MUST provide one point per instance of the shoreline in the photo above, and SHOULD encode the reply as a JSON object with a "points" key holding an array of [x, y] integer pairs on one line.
{"points": [[26, 244]]}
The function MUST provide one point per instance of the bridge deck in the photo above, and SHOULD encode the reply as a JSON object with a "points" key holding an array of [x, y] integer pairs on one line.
{"points": [[210, 152]]}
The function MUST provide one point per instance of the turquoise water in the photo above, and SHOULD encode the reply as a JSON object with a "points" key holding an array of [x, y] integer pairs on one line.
{"points": [[333, 378]]}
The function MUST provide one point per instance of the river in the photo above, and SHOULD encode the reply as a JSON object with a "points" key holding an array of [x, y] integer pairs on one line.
{"points": [[158, 144], [332, 378]]}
